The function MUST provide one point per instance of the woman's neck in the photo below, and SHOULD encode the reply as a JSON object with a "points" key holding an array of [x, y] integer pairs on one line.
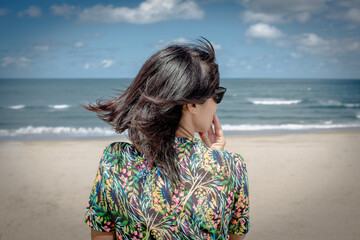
{"points": [[183, 132], [186, 126]]}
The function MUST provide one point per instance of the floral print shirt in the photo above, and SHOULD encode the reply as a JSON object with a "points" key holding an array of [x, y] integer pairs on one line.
{"points": [[136, 202]]}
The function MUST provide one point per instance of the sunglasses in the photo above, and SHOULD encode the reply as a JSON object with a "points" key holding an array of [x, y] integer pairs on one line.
{"points": [[220, 92]]}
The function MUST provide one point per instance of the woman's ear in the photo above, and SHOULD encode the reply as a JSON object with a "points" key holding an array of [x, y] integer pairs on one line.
{"points": [[191, 107]]}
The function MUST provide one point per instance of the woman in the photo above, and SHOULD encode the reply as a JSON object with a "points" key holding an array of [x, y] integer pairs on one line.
{"points": [[168, 184]]}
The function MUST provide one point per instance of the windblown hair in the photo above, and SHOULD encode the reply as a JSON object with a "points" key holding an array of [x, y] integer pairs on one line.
{"points": [[150, 109]]}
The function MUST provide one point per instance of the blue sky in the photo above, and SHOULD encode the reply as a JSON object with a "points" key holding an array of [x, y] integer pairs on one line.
{"points": [[112, 39]]}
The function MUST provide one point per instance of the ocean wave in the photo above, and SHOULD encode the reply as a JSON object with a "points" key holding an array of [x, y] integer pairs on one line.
{"points": [[21, 106], [106, 131], [358, 116], [80, 131], [335, 103], [351, 105], [254, 127], [60, 106], [272, 101]]}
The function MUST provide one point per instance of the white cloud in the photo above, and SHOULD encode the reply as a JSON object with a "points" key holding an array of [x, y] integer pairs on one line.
{"points": [[216, 46], [231, 63], [314, 44], [149, 11], [334, 60], [159, 44], [179, 40], [303, 17], [286, 7], [32, 11], [262, 30], [63, 10], [348, 11], [295, 55], [162, 43], [106, 63], [250, 16], [309, 43], [87, 66], [280, 11], [311, 40], [353, 15], [41, 47], [24, 60], [79, 44], [3, 11], [7, 61], [236, 64], [18, 62], [352, 46], [348, 3]]}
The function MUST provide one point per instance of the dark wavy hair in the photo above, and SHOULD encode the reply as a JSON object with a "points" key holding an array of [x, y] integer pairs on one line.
{"points": [[150, 109]]}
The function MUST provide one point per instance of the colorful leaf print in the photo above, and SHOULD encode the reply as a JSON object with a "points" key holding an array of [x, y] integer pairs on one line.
{"points": [[137, 202]]}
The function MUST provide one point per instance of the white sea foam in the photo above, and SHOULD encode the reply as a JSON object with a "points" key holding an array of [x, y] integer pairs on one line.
{"points": [[335, 103], [358, 116], [350, 105], [330, 103], [17, 106], [272, 101], [62, 106], [105, 131], [80, 131], [254, 127]]}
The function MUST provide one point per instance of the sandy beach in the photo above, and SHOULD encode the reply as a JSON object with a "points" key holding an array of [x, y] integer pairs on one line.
{"points": [[302, 186]]}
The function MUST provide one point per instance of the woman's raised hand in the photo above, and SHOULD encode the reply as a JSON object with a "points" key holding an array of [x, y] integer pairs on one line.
{"points": [[214, 138]]}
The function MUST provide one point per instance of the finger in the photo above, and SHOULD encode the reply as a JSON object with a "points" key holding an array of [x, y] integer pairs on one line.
{"points": [[204, 137], [211, 130], [217, 125]]}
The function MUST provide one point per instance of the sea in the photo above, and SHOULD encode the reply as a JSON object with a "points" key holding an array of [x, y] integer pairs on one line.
{"points": [[49, 109]]}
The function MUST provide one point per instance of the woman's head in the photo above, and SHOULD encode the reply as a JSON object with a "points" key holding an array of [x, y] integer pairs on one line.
{"points": [[179, 74], [150, 109]]}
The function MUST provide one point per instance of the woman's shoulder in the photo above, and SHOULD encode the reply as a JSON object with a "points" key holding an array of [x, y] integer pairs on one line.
{"points": [[235, 156], [227, 154], [231, 158], [198, 143], [119, 153], [119, 148]]}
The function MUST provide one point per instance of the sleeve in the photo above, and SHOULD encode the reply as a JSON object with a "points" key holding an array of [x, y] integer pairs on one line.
{"points": [[239, 223], [98, 215]]}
